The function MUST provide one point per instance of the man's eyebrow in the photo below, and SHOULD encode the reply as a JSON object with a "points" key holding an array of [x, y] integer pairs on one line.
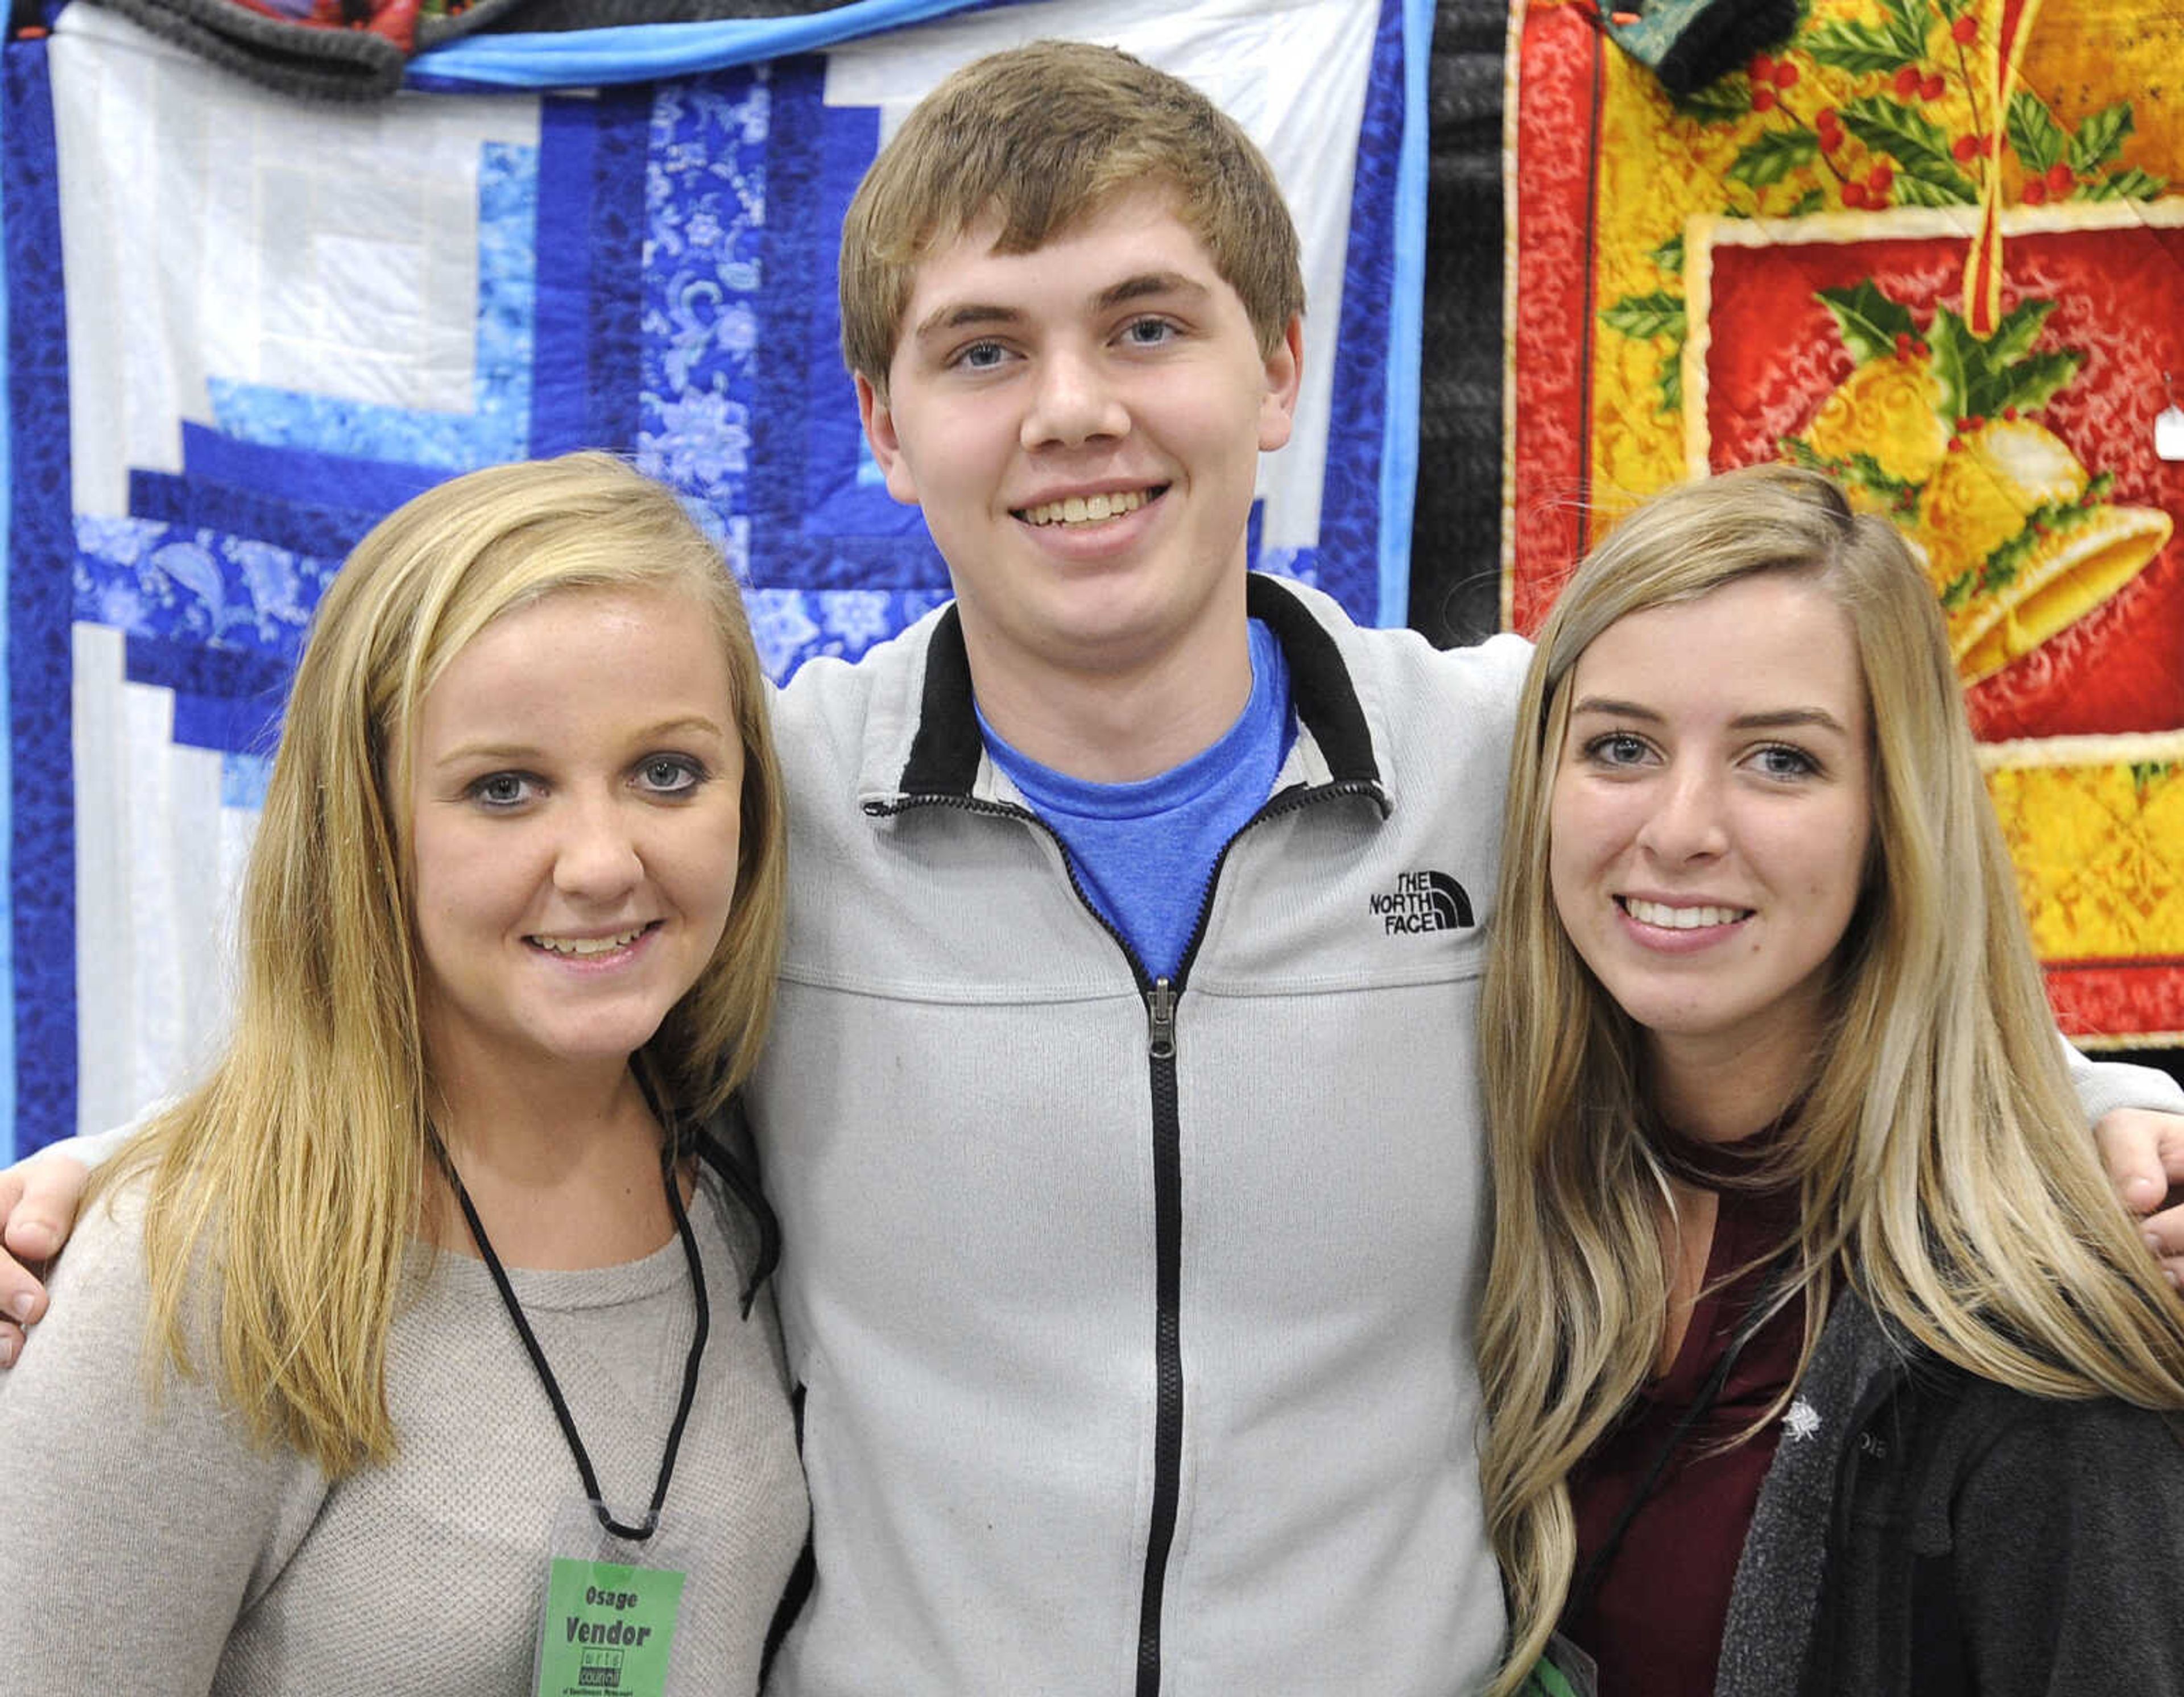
{"points": [[962, 315], [1146, 284], [952, 315]]}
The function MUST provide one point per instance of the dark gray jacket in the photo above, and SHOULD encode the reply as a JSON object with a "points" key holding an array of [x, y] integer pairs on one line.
{"points": [[1924, 1531]]}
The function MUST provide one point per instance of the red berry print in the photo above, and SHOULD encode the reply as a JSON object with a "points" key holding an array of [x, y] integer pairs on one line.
{"points": [[1786, 74], [1853, 194], [1761, 69], [1965, 30], [2059, 180], [1902, 344], [1879, 178], [1907, 82], [1919, 347], [1762, 100], [1931, 88], [2010, 412], [2036, 191], [1964, 149]]}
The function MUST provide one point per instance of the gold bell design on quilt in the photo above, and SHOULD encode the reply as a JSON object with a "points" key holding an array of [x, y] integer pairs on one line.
{"points": [[2019, 542], [2017, 536], [1936, 428]]}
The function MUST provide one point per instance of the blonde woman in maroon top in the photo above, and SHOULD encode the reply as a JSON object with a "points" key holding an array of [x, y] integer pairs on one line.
{"points": [[1803, 1174]]}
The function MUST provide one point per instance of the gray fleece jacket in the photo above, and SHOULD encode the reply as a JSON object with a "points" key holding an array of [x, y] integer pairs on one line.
{"points": [[1134, 1320]]}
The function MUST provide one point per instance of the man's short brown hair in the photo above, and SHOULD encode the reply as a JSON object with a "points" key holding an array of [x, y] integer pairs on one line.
{"points": [[1037, 138]]}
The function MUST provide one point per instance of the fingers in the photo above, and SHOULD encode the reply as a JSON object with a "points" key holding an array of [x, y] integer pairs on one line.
{"points": [[2164, 1231], [38, 1209], [21, 1298], [2143, 1153]]}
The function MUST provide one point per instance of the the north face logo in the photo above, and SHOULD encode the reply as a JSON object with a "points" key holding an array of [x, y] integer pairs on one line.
{"points": [[1423, 901]]}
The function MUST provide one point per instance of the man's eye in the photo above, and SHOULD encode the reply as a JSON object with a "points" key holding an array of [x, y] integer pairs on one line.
{"points": [[981, 356], [1149, 332]]}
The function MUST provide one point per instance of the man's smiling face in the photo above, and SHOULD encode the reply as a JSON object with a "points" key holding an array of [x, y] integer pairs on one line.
{"points": [[1082, 426]]}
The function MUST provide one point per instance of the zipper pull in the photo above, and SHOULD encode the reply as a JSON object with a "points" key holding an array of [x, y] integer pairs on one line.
{"points": [[1161, 1007]]}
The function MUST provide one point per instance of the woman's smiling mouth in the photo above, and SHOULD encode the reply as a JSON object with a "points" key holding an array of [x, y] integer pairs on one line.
{"points": [[580, 948], [1669, 918]]}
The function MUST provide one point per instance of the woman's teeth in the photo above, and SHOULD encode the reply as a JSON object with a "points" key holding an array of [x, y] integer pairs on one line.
{"points": [[588, 945], [1680, 919]]}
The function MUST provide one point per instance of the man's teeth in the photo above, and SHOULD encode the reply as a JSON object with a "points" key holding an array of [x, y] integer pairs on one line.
{"points": [[1086, 510], [1680, 919], [590, 945]]}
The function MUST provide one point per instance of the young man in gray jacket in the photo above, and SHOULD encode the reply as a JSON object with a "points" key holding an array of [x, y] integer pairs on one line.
{"points": [[1121, 1109]]}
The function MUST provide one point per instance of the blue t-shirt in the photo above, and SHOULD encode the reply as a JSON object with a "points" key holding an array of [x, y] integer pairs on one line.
{"points": [[1144, 851]]}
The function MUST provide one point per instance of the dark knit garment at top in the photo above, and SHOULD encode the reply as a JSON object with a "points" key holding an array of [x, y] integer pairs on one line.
{"points": [[1654, 1619]]}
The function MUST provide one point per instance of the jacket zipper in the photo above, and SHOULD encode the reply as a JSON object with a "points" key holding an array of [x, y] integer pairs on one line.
{"points": [[1160, 996]]}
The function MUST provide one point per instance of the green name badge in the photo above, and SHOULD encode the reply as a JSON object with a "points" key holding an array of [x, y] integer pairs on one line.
{"points": [[609, 1629]]}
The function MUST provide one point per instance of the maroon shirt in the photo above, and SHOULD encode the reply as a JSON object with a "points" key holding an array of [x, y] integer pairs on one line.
{"points": [[1654, 1620]]}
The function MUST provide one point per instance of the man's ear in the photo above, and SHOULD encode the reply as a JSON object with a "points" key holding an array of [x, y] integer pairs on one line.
{"points": [[1284, 373], [878, 420]]}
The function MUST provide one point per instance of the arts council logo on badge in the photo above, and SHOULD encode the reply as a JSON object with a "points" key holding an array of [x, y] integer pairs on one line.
{"points": [[1422, 901]]}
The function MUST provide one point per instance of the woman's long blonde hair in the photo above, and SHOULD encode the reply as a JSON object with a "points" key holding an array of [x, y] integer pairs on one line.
{"points": [[1945, 1174], [292, 1179]]}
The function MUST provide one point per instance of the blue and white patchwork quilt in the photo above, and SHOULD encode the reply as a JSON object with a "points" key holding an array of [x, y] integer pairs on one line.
{"points": [[241, 329]]}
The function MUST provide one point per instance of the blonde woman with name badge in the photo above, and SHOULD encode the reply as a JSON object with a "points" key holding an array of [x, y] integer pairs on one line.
{"points": [[424, 1346]]}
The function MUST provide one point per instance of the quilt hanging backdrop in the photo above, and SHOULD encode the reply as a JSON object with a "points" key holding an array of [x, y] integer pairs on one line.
{"points": [[1937, 249], [241, 329]]}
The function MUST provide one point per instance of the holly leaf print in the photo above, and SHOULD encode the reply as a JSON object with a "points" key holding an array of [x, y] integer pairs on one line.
{"points": [[1670, 255], [1919, 147], [1916, 191], [2034, 135], [2100, 138], [1907, 22], [2019, 328], [1773, 156], [1670, 382], [1645, 316], [1957, 355], [1868, 321], [2028, 385], [2128, 185], [1845, 44], [1726, 100]]}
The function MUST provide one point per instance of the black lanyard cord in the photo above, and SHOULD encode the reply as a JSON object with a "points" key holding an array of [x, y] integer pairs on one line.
{"points": [[546, 1373], [1588, 1582]]}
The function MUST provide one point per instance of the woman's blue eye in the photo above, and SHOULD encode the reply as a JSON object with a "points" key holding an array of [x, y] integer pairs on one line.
{"points": [[502, 789], [1780, 762], [1617, 748], [670, 775]]}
